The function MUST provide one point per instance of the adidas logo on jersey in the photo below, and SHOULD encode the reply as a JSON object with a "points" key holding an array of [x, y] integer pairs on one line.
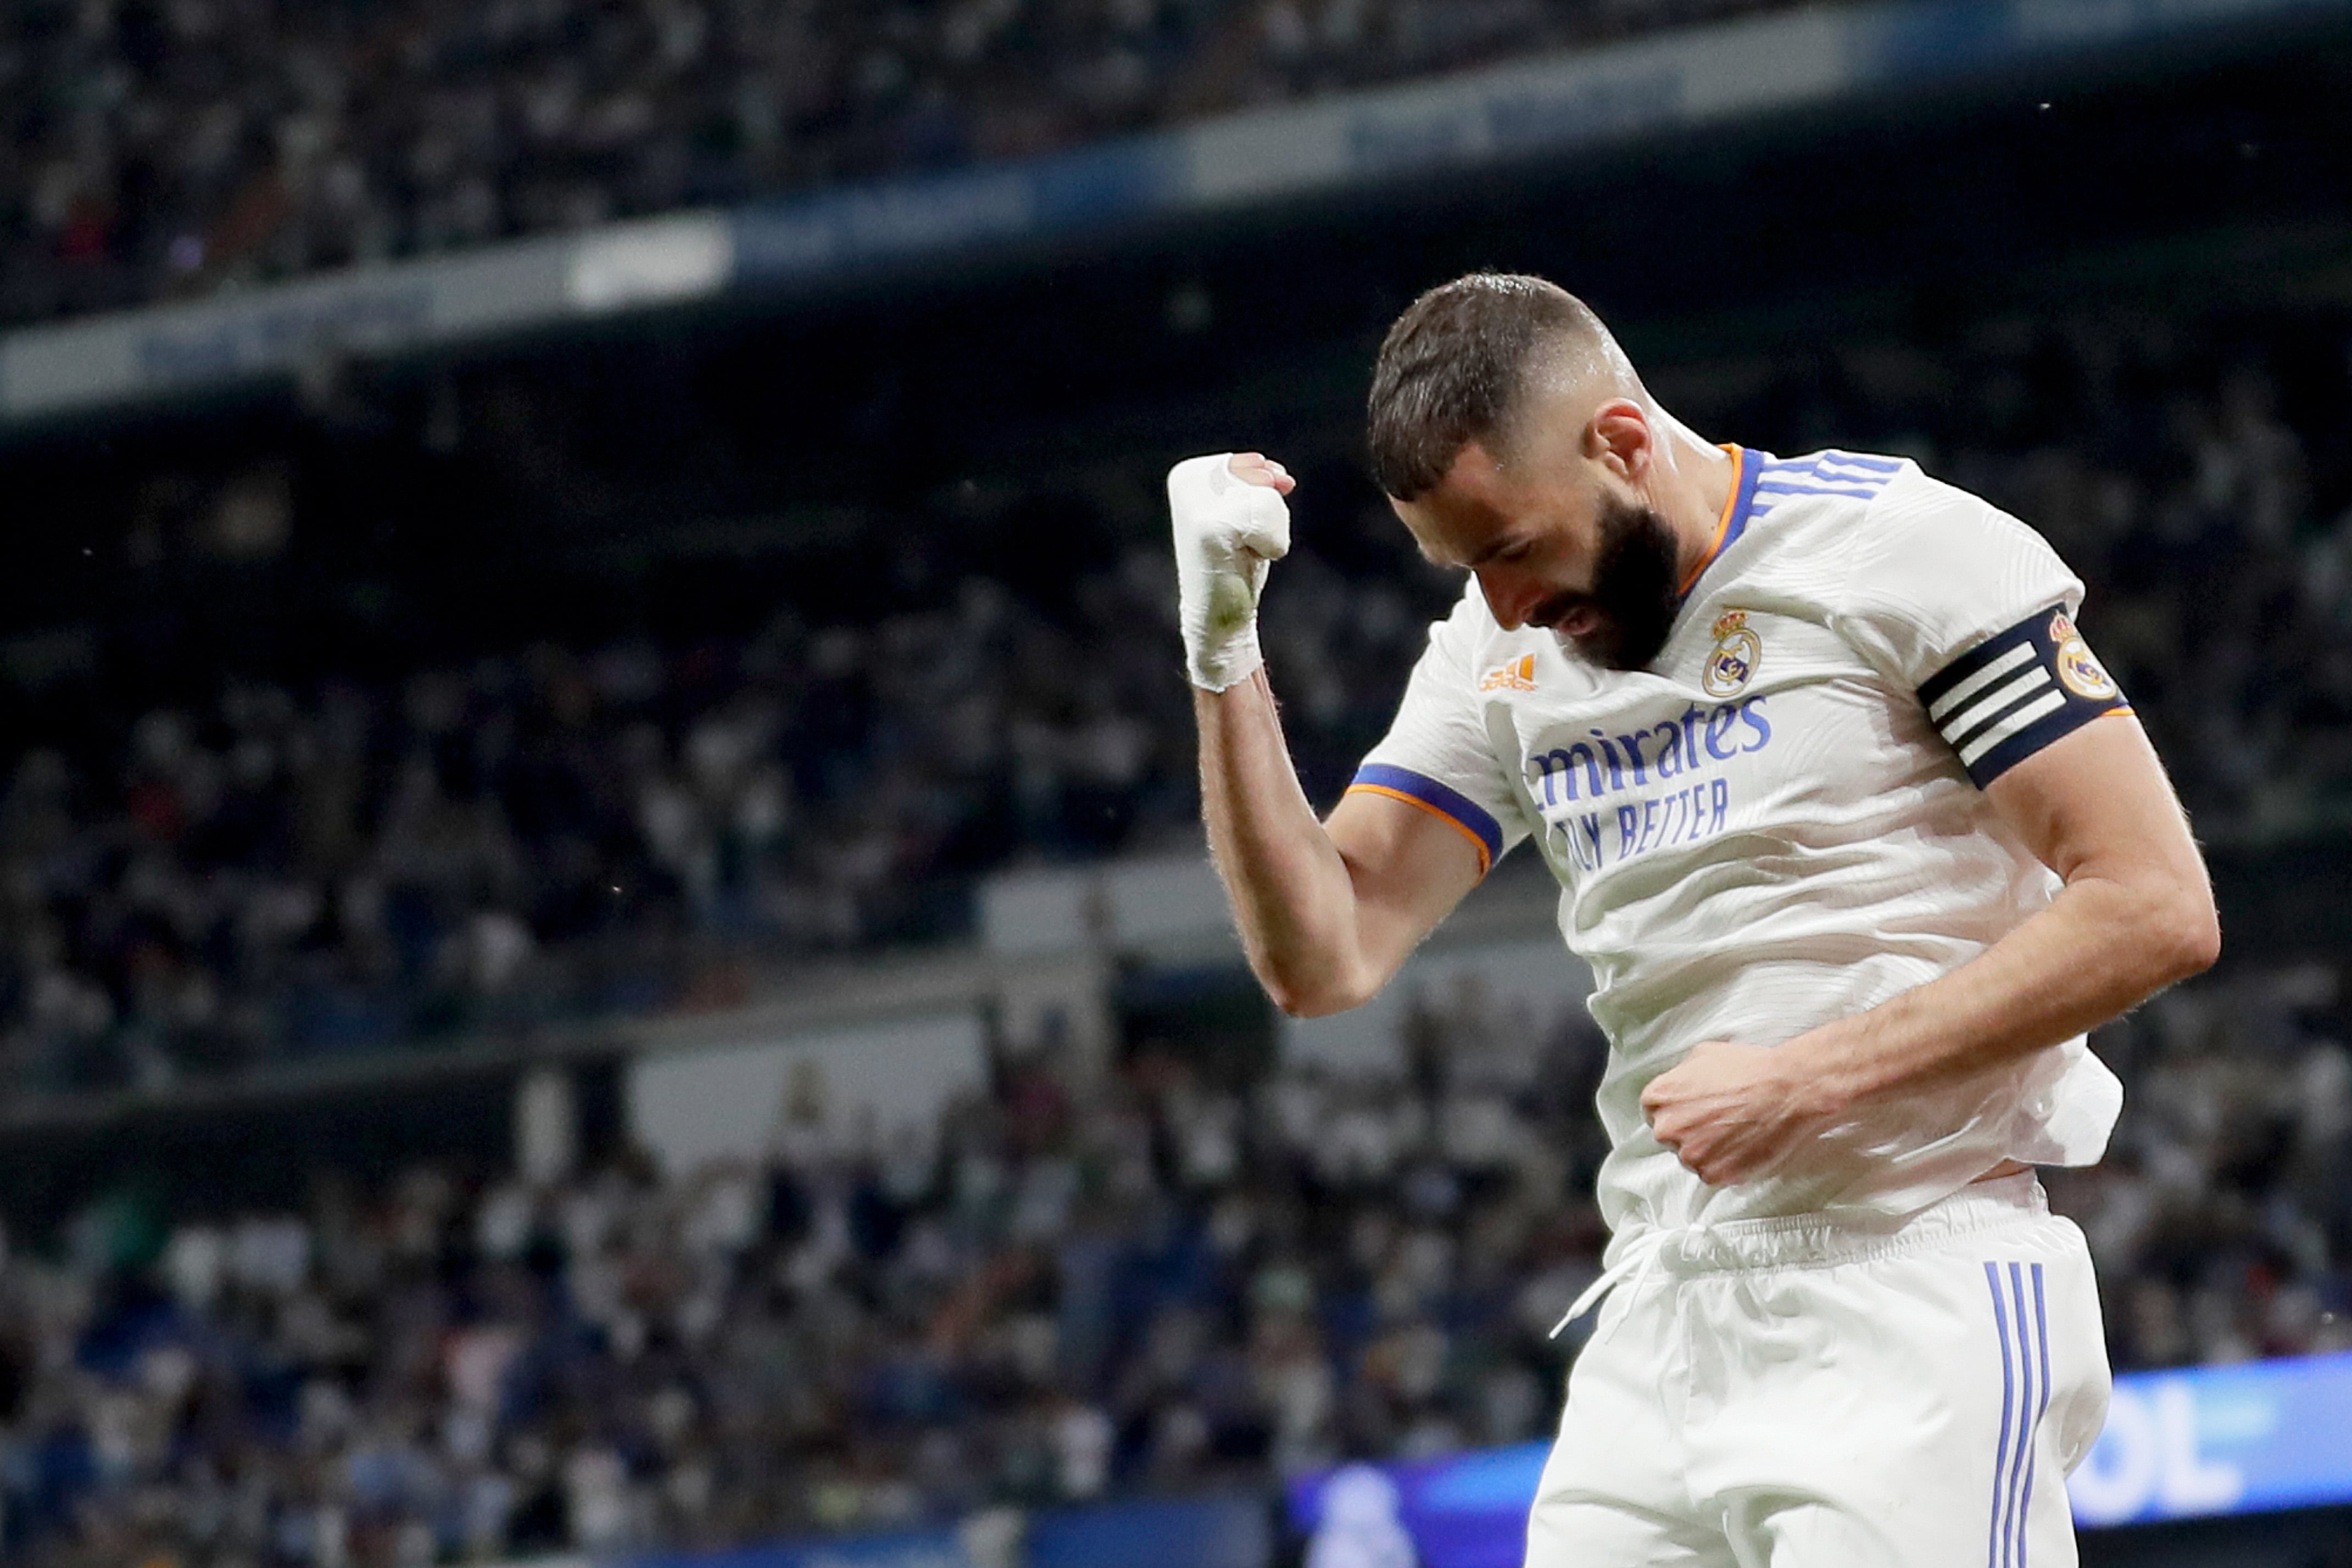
{"points": [[1519, 676]]}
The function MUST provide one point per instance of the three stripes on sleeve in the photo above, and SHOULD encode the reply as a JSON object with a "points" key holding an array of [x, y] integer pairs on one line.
{"points": [[2016, 692]]}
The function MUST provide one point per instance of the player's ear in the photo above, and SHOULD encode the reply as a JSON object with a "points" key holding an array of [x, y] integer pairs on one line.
{"points": [[1618, 437]]}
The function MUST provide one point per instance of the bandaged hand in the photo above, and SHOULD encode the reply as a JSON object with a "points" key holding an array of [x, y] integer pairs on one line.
{"points": [[1230, 522]]}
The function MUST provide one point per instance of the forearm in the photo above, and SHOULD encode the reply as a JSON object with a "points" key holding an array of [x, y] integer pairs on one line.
{"points": [[1291, 894], [2135, 914], [2102, 946]]}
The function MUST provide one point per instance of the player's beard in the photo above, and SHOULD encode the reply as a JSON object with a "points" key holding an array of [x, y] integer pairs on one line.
{"points": [[1636, 590]]}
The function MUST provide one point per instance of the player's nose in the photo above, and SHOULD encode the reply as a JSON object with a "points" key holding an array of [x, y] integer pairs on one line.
{"points": [[1512, 598]]}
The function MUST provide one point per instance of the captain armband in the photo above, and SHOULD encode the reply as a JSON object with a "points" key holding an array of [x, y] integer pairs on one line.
{"points": [[2016, 692]]}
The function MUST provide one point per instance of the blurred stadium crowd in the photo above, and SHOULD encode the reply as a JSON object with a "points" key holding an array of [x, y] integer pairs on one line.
{"points": [[553, 832], [164, 148], [1140, 1281], [1084, 1284], [1087, 1283], [1159, 1274]]}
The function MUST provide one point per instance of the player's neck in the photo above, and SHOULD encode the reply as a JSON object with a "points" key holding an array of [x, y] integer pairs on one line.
{"points": [[1691, 489]]}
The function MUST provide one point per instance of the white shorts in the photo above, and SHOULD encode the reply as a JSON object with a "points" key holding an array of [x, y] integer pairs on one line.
{"points": [[1807, 1394]]}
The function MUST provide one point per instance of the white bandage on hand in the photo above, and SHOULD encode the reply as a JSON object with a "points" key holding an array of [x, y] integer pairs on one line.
{"points": [[1228, 530]]}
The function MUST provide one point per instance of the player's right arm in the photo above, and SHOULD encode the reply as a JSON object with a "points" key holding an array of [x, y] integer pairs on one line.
{"points": [[1327, 910]]}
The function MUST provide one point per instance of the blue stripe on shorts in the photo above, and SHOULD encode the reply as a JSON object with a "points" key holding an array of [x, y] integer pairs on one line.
{"points": [[2024, 1399]]}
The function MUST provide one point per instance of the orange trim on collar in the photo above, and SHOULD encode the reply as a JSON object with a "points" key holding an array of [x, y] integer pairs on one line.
{"points": [[1723, 523]]}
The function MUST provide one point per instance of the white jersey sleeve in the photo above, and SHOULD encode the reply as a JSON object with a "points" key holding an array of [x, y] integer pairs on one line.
{"points": [[1964, 604], [1438, 754]]}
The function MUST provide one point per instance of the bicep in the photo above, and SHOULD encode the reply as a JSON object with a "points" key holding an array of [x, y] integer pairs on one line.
{"points": [[1409, 865], [2095, 802]]}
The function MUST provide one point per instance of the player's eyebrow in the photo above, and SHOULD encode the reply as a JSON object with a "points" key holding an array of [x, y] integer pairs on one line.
{"points": [[1440, 558], [1490, 552]]}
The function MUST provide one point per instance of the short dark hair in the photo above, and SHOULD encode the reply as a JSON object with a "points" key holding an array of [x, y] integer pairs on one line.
{"points": [[1452, 369]]}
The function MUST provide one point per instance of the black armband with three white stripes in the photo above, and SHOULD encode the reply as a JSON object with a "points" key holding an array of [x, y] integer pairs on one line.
{"points": [[2016, 692]]}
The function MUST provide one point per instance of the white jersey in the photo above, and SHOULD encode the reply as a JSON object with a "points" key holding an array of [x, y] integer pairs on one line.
{"points": [[1780, 823]]}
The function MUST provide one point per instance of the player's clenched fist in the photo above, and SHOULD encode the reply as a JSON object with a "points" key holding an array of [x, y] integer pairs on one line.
{"points": [[1230, 521], [1733, 1112]]}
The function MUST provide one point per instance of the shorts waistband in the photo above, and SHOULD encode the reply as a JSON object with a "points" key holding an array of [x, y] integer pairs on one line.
{"points": [[1809, 1241], [1816, 1240]]}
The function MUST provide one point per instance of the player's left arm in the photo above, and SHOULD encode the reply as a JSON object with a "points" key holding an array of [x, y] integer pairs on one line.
{"points": [[2135, 915]]}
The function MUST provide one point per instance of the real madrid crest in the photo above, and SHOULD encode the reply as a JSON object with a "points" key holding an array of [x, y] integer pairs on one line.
{"points": [[1737, 652], [2078, 668]]}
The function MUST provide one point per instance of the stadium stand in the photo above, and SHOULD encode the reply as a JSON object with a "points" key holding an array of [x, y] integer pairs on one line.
{"points": [[1146, 1284], [165, 151], [542, 832], [238, 845], [1156, 1280]]}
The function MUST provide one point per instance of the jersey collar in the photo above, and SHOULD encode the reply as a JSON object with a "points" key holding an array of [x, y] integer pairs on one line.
{"points": [[1746, 466]]}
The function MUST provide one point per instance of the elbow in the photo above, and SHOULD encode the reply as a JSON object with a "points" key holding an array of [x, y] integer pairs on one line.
{"points": [[2184, 937], [1311, 1002], [1315, 995]]}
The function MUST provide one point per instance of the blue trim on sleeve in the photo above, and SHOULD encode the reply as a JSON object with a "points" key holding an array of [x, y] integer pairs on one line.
{"points": [[1438, 797]]}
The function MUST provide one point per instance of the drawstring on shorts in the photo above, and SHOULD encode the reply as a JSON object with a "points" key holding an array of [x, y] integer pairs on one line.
{"points": [[1643, 1254], [1810, 1239]]}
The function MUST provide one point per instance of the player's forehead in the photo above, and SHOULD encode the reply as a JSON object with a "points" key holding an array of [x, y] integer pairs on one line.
{"points": [[1480, 503], [1445, 535]]}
